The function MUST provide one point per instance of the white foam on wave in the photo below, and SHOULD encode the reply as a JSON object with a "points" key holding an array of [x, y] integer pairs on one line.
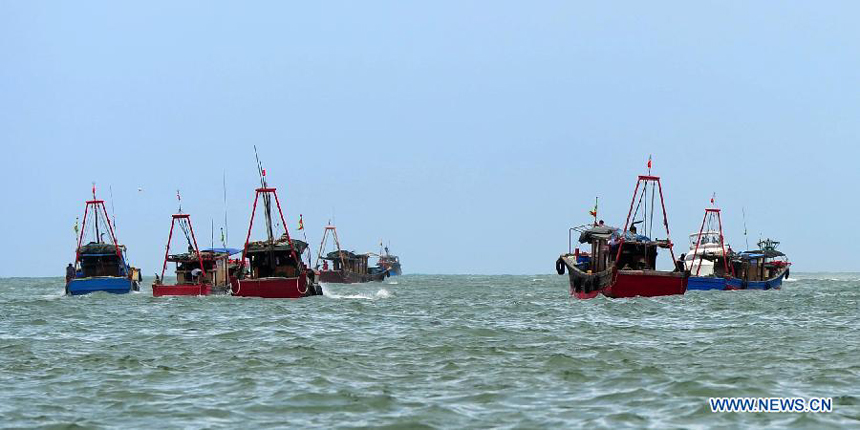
{"points": [[392, 283], [381, 294], [789, 280]]}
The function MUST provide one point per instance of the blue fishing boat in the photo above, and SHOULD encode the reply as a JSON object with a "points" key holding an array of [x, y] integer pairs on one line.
{"points": [[388, 263], [761, 269], [100, 264], [708, 259]]}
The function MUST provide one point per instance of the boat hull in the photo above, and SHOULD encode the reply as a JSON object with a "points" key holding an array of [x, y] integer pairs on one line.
{"points": [[274, 288], [395, 270], [647, 283], [584, 285], [332, 277], [108, 284], [181, 290], [704, 283], [774, 283]]}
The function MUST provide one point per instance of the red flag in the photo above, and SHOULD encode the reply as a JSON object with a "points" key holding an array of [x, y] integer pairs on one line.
{"points": [[264, 172], [649, 161]]}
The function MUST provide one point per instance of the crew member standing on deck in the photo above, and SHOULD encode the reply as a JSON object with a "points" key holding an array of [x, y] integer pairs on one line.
{"points": [[70, 272]]}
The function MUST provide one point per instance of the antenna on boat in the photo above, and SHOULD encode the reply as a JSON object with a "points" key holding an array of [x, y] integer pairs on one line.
{"points": [[225, 233], [746, 238], [112, 208]]}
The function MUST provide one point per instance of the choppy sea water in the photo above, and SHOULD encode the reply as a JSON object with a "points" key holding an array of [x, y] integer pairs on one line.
{"points": [[427, 351]]}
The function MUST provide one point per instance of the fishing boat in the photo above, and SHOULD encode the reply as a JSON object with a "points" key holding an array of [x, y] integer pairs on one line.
{"points": [[389, 263], [345, 267], [623, 263], [708, 259], [274, 265], [761, 269], [101, 264], [198, 273]]}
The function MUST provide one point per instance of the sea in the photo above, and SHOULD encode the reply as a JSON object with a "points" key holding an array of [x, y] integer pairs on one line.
{"points": [[427, 351]]}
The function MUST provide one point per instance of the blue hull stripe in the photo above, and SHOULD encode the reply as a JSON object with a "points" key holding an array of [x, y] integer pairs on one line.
{"points": [[706, 283], [114, 285], [770, 284]]}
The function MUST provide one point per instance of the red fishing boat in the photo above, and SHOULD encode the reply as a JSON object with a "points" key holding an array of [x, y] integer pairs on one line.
{"points": [[198, 273], [622, 263], [275, 266], [345, 267]]}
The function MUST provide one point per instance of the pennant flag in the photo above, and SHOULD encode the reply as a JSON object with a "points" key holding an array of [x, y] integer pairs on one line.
{"points": [[222, 234], [76, 226], [713, 197], [593, 212], [301, 223], [649, 161], [178, 197], [94, 190], [264, 172]]}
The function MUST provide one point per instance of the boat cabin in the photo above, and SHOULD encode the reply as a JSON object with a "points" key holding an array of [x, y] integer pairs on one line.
{"points": [[101, 259], [347, 261], [216, 269], [638, 252], [275, 260], [759, 265]]}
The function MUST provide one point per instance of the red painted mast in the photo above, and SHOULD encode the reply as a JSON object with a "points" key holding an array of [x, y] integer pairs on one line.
{"points": [[95, 203]]}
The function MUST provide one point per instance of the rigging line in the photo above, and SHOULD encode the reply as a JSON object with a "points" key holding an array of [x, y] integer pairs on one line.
{"points": [[183, 226], [653, 192], [636, 212], [645, 210]]}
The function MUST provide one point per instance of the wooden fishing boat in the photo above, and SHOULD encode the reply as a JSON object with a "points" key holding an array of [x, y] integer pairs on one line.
{"points": [[622, 263], [198, 273], [275, 269], [761, 269], [345, 267], [708, 259], [100, 265]]}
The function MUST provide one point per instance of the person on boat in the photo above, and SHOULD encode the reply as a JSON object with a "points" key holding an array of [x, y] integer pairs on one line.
{"points": [[195, 274], [70, 272], [600, 224]]}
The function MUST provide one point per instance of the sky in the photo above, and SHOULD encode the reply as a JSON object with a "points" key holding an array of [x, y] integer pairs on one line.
{"points": [[470, 135]]}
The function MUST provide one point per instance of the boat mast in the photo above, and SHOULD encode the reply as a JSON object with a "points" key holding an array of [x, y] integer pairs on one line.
{"points": [[267, 201], [98, 237]]}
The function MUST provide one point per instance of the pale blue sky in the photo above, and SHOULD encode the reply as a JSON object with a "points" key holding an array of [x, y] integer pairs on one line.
{"points": [[469, 134]]}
